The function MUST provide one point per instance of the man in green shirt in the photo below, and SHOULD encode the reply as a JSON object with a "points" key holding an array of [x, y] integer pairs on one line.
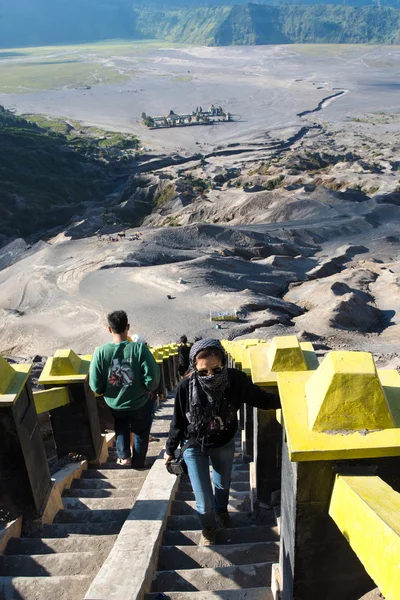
{"points": [[124, 372]]}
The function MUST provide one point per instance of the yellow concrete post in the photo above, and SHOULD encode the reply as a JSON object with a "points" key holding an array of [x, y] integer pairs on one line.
{"points": [[327, 413], [282, 353], [367, 512], [158, 357], [7, 376], [24, 472], [65, 367], [76, 425], [285, 354], [345, 393], [345, 416], [261, 431]]}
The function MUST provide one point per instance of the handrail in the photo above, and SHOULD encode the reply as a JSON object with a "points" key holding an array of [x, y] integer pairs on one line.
{"points": [[46, 400], [367, 512]]}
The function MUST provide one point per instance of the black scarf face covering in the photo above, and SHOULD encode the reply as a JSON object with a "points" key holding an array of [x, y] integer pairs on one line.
{"points": [[206, 393]]}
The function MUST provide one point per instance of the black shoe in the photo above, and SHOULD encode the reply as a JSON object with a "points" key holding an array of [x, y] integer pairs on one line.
{"points": [[208, 536], [224, 519]]}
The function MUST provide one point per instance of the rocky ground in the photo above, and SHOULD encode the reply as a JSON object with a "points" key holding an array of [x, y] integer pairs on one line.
{"points": [[299, 234]]}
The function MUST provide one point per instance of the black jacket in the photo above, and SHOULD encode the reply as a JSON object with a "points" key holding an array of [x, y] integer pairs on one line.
{"points": [[183, 356], [240, 390]]}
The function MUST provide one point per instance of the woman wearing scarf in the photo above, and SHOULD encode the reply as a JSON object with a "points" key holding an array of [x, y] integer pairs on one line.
{"points": [[205, 424]]}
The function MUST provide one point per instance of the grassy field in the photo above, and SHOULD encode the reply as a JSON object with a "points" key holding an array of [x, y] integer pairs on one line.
{"points": [[25, 70], [53, 67]]}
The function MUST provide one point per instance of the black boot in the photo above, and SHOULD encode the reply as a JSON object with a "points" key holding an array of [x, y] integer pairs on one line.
{"points": [[208, 536], [224, 519]]}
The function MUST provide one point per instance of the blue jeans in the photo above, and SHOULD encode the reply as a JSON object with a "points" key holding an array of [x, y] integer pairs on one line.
{"points": [[139, 422], [198, 464]]}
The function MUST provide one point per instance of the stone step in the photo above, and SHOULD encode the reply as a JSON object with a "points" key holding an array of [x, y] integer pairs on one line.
{"points": [[261, 593], [98, 503], [59, 530], [91, 516], [199, 557], [115, 474], [188, 496], [240, 467], [236, 486], [101, 493], [104, 484], [188, 507], [44, 588], [224, 536], [112, 455], [239, 519], [94, 543], [220, 578], [113, 466], [49, 565]]}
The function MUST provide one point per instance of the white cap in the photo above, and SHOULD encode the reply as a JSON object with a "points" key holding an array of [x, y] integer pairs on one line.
{"points": [[138, 338]]}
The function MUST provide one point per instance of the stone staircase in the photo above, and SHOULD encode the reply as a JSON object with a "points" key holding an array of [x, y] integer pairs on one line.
{"points": [[238, 567], [59, 561]]}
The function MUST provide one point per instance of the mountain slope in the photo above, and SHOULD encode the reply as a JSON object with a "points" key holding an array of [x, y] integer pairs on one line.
{"points": [[260, 24], [53, 22], [48, 177]]}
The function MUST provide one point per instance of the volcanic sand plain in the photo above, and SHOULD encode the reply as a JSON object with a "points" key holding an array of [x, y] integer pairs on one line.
{"points": [[56, 293], [263, 87]]}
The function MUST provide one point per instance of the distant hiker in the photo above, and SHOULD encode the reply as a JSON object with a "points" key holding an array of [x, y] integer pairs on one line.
{"points": [[183, 356], [125, 372], [205, 423]]}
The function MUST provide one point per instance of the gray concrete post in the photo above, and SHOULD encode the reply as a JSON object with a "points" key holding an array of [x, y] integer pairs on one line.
{"points": [[267, 453]]}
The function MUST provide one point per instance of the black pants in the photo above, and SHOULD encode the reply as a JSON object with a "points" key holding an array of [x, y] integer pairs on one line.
{"points": [[138, 422], [182, 371]]}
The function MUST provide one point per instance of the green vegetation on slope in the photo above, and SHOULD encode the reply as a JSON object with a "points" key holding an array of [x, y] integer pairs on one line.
{"points": [[50, 171], [259, 24], [199, 26], [45, 22], [338, 24]]}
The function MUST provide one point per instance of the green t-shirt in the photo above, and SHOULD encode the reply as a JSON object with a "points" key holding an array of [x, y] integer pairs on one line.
{"points": [[124, 374]]}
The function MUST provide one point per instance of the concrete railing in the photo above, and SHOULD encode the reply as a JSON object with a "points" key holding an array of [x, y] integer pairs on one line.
{"points": [[26, 487], [367, 512], [261, 429], [339, 417], [25, 482]]}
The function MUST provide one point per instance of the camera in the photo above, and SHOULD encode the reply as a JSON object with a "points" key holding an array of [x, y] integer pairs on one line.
{"points": [[177, 467]]}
